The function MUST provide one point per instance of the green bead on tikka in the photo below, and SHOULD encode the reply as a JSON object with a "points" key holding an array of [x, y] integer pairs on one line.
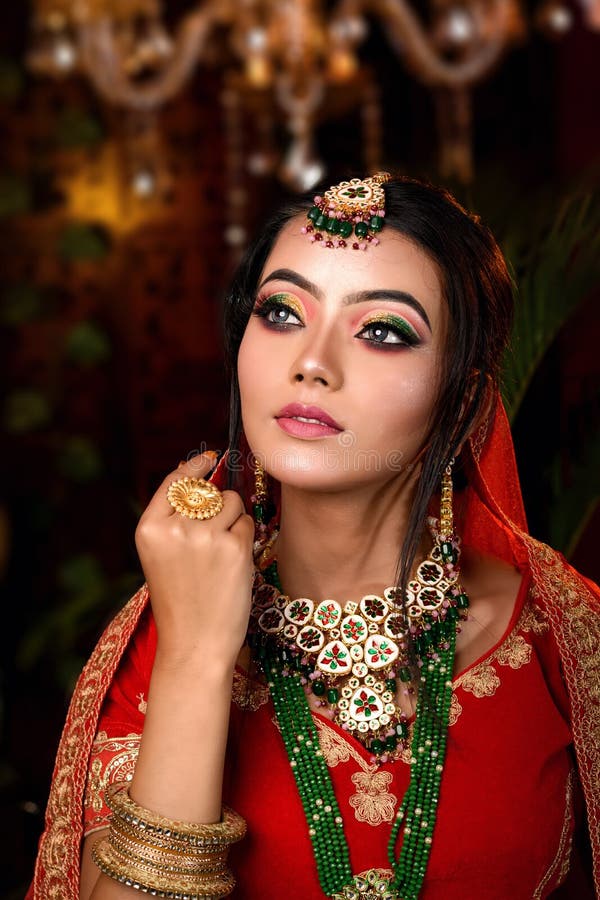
{"points": [[333, 225], [361, 229], [333, 695], [376, 223], [321, 221], [313, 213], [345, 228]]}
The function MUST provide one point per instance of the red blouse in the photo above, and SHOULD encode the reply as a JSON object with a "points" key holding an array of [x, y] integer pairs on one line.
{"points": [[509, 796]]}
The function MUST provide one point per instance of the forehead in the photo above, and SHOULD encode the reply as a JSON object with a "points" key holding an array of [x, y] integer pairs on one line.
{"points": [[396, 263]]}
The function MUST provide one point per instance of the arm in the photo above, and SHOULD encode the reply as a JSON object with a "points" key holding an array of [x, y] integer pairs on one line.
{"points": [[199, 574]]}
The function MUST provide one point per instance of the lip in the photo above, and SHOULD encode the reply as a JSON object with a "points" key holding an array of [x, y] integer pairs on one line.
{"points": [[323, 427]]}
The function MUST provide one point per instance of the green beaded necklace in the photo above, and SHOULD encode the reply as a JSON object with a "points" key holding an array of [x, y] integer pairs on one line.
{"points": [[417, 813]]}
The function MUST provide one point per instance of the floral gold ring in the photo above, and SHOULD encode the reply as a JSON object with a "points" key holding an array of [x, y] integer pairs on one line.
{"points": [[195, 498]]}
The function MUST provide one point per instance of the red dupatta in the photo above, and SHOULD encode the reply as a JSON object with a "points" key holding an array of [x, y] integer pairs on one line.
{"points": [[494, 523]]}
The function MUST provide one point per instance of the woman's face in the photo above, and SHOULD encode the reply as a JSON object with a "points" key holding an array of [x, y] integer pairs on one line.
{"points": [[358, 335]]}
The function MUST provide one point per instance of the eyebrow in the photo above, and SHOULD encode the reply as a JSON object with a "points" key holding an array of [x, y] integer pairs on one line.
{"points": [[350, 299]]}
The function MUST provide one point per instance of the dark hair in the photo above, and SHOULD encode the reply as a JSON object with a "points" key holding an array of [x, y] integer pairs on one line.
{"points": [[478, 290]]}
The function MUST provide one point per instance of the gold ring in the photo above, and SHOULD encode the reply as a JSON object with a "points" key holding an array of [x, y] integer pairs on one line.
{"points": [[195, 498]]}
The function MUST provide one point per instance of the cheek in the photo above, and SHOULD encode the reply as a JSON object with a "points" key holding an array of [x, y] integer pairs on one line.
{"points": [[254, 367], [250, 362], [400, 407]]}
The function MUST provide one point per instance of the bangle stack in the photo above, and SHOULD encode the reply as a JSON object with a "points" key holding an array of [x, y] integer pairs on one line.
{"points": [[164, 857]]}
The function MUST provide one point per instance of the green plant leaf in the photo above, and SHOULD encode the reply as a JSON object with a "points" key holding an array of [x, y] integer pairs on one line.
{"points": [[555, 267], [79, 459], [87, 344], [77, 128], [81, 574], [574, 498], [12, 80], [26, 410], [79, 242], [20, 303], [15, 195]]}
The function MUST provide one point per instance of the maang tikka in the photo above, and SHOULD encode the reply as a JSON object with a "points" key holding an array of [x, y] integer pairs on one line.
{"points": [[349, 214]]}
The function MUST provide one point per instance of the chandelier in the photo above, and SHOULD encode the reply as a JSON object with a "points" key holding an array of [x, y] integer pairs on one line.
{"points": [[291, 54]]}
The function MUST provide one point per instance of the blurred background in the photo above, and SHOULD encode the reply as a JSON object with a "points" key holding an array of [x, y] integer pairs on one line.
{"points": [[141, 145]]}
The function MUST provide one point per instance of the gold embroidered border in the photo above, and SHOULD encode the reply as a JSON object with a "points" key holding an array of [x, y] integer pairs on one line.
{"points": [[574, 612], [58, 862], [563, 854], [112, 759]]}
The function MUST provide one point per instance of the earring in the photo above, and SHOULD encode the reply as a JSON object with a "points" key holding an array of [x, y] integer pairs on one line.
{"points": [[262, 506], [446, 527]]}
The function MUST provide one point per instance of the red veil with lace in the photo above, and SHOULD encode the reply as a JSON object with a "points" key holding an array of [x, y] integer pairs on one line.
{"points": [[494, 522]]}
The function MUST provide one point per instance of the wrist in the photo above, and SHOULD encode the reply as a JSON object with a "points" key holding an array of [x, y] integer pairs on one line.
{"points": [[204, 662]]}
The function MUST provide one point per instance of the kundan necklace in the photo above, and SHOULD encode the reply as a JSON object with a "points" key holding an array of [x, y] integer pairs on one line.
{"points": [[300, 644]]}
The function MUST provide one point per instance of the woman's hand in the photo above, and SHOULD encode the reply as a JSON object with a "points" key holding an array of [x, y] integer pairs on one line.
{"points": [[199, 572]]}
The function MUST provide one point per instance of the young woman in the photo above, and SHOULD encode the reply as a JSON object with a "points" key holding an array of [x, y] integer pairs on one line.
{"points": [[387, 684]]}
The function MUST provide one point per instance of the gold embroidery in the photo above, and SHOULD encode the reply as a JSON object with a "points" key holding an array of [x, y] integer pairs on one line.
{"points": [[372, 802], [333, 746], [58, 861], [572, 609], [142, 705], [455, 710], [112, 759], [248, 694], [563, 854], [534, 619], [482, 681], [515, 653]]}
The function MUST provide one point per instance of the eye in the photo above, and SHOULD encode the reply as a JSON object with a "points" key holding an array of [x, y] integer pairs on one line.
{"points": [[389, 332], [276, 312]]}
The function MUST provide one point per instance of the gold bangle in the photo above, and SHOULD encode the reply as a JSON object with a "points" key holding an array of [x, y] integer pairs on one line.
{"points": [[146, 879], [232, 828], [163, 844], [164, 859]]}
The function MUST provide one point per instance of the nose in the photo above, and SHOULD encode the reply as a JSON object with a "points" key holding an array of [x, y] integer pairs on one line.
{"points": [[318, 361]]}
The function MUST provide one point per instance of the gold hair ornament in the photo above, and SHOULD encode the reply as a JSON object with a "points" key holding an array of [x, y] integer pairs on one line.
{"points": [[349, 214]]}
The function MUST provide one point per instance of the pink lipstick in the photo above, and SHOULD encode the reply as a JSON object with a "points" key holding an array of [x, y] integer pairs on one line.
{"points": [[306, 421]]}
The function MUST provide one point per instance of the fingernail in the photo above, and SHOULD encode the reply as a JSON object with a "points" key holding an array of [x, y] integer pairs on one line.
{"points": [[182, 463], [213, 453]]}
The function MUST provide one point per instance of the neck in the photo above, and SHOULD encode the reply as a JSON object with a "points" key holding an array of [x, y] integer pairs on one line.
{"points": [[342, 545]]}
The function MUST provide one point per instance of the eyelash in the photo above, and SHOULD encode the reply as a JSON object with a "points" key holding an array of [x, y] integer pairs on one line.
{"points": [[265, 306], [408, 338]]}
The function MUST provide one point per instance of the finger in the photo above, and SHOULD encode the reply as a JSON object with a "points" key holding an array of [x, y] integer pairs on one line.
{"points": [[233, 510], [159, 505], [244, 527]]}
